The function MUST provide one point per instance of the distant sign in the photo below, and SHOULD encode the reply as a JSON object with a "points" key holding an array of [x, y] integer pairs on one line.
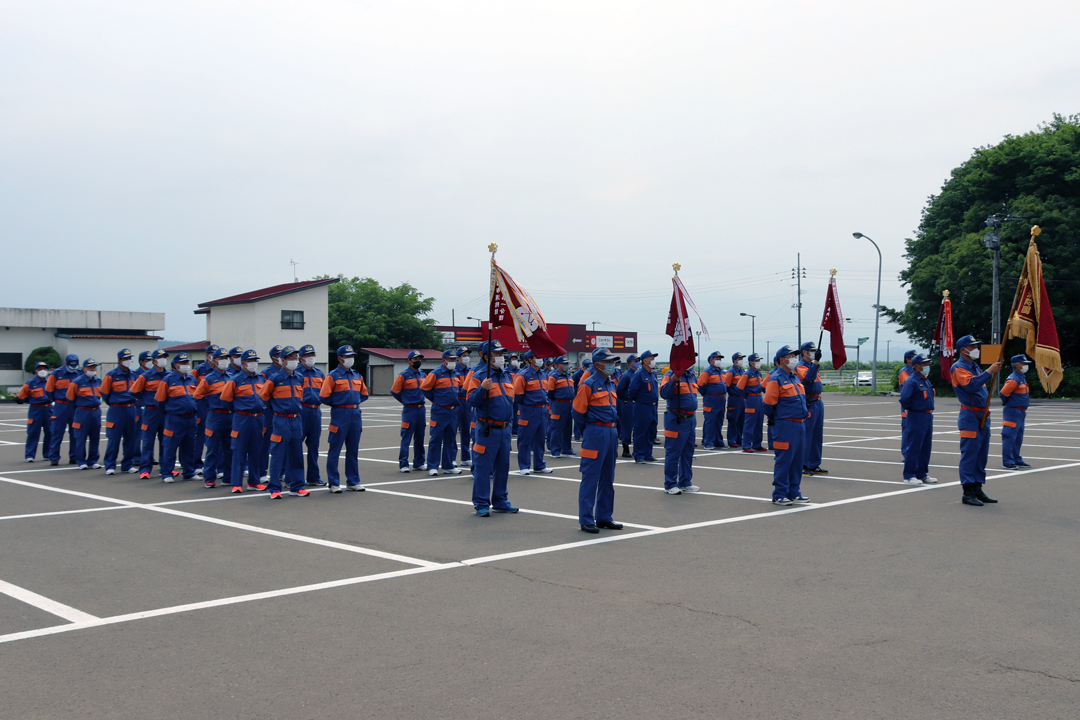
{"points": [[628, 342], [862, 340], [448, 338], [605, 341]]}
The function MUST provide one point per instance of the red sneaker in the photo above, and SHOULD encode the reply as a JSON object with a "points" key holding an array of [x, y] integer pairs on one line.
{"points": [[256, 487], [275, 496], [237, 489], [747, 450], [210, 484], [299, 493], [144, 476]]}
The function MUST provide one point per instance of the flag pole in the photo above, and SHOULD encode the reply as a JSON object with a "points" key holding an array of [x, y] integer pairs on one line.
{"points": [[678, 417], [821, 335], [492, 248]]}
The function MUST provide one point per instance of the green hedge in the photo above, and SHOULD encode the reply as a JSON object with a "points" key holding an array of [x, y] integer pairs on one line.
{"points": [[42, 354]]}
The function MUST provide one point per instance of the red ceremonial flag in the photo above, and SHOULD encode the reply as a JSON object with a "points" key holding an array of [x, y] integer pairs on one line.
{"points": [[833, 321], [943, 336], [1032, 318], [511, 305], [678, 327]]}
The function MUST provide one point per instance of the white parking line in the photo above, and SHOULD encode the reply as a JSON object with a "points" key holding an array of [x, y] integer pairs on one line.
{"points": [[43, 603]]}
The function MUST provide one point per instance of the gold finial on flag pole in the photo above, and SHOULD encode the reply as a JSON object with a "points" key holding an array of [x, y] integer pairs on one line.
{"points": [[676, 267], [493, 248], [1036, 231], [945, 293], [832, 272]]}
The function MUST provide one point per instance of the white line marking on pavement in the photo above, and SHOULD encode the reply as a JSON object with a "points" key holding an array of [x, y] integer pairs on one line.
{"points": [[43, 603], [62, 512]]}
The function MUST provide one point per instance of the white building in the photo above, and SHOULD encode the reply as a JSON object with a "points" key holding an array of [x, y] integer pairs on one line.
{"points": [[99, 334]]}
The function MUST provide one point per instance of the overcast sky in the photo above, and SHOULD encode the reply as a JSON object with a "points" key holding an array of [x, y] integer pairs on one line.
{"points": [[156, 155]]}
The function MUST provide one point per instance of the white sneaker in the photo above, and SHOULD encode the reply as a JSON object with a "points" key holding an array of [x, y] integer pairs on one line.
{"points": [[167, 479], [690, 488], [199, 473], [96, 466], [110, 471], [929, 480], [29, 459], [132, 470], [432, 473], [545, 471], [405, 469], [83, 467], [335, 488], [245, 473], [523, 472], [673, 491], [264, 480], [466, 463], [913, 481], [454, 471]]}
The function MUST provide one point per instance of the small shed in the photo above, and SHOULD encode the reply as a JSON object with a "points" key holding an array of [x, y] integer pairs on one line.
{"points": [[381, 365]]}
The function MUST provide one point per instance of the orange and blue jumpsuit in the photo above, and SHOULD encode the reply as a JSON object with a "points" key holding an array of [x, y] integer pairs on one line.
{"points": [[152, 422], [37, 419], [532, 402], [969, 382], [406, 390], [63, 411], [439, 387], [905, 372], [462, 415], [680, 428], [176, 398], [917, 431], [626, 405], [785, 406], [267, 448], [122, 417], [242, 394], [343, 390], [284, 392], [84, 392], [713, 391], [311, 419], [750, 382], [596, 403], [491, 449], [218, 427], [736, 406], [579, 376], [1015, 397], [560, 390], [815, 421], [645, 392], [202, 408]]}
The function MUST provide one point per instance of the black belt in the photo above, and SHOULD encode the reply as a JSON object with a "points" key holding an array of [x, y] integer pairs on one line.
{"points": [[492, 423], [286, 415], [241, 412], [121, 404]]}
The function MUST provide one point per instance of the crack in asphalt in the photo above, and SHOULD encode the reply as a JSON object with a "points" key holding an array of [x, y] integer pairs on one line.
{"points": [[1038, 672]]}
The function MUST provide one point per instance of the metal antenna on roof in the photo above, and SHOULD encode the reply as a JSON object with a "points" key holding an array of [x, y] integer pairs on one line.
{"points": [[295, 279]]}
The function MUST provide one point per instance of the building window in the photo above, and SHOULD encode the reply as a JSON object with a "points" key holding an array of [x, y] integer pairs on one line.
{"points": [[292, 319], [11, 361]]}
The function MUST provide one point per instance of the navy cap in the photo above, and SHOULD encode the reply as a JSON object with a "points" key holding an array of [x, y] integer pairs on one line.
{"points": [[1021, 358], [647, 354], [492, 347], [307, 349], [754, 357], [124, 354], [275, 351], [448, 354], [181, 358], [967, 341], [89, 362], [561, 360], [160, 354], [602, 355], [632, 358], [236, 351], [740, 356], [288, 350], [461, 351], [715, 355], [807, 346], [145, 355], [211, 349], [783, 351], [220, 353], [40, 363], [587, 362], [910, 354], [528, 355], [345, 351], [71, 359], [413, 354], [920, 359], [249, 355]]}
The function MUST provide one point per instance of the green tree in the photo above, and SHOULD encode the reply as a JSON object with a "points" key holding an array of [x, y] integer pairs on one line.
{"points": [[42, 354], [365, 314], [1036, 174]]}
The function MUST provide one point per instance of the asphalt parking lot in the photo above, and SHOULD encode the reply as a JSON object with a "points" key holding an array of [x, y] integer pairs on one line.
{"points": [[126, 598]]}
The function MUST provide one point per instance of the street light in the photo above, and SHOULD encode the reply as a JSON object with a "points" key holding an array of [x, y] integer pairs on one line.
{"points": [[752, 318], [479, 322], [877, 310]]}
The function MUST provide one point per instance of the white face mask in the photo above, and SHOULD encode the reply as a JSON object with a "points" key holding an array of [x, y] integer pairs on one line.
{"points": [[291, 364], [160, 362], [449, 366], [235, 360], [221, 363], [791, 363], [90, 373], [1023, 369], [974, 354], [498, 362], [183, 369], [647, 363], [738, 363], [125, 363], [924, 369], [717, 363], [514, 364], [42, 373], [465, 360], [146, 364], [347, 362], [309, 361], [756, 364], [251, 366]]}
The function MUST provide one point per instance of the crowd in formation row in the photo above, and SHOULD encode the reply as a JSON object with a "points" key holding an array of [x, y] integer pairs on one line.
{"points": [[226, 419]]}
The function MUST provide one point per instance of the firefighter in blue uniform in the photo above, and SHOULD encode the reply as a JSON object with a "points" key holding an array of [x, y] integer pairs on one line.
{"points": [[513, 366], [906, 370], [284, 393], [438, 387], [218, 426], [1015, 396], [121, 419], [463, 414], [785, 408], [644, 390], [973, 422], [63, 411], [752, 385], [176, 398], [39, 413], [236, 363], [809, 370], [152, 421], [311, 413], [84, 392], [735, 404], [201, 407], [406, 390], [532, 416], [595, 403], [680, 429], [917, 416], [241, 394], [585, 365], [560, 388], [267, 447], [492, 396], [626, 406], [343, 390], [146, 361], [713, 391]]}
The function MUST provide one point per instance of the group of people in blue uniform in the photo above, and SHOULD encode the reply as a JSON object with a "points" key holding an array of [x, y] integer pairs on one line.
{"points": [[223, 419]]}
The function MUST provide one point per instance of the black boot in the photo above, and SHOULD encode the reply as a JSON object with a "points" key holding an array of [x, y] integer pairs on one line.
{"points": [[969, 495], [626, 451], [981, 495]]}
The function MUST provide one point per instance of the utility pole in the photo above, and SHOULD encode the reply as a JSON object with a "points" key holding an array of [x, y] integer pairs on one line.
{"points": [[294, 264], [798, 273], [452, 320]]}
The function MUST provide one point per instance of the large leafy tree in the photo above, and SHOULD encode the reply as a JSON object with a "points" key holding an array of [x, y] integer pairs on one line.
{"points": [[365, 314], [1035, 174]]}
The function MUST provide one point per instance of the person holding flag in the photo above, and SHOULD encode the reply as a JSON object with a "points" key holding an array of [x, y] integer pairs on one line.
{"points": [[969, 382], [808, 370], [491, 393], [680, 426]]}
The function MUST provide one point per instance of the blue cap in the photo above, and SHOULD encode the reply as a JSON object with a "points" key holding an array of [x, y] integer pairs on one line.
{"points": [[491, 347], [807, 346], [307, 349], [587, 362], [920, 359], [180, 358], [754, 357], [602, 355], [647, 354], [288, 350], [220, 353], [910, 354], [145, 355], [740, 356], [72, 359], [248, 355], [413, 354], [345, 351], [1021, 358], [124, 354], [448, 354], [967, 341], [275, 351], [236, 351], [40, 363], [160, 354], [461, 351], [528, 355], [632, 358], [784, 350], [89, 362], [715, 355], [561, 360], [211, 349]]}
